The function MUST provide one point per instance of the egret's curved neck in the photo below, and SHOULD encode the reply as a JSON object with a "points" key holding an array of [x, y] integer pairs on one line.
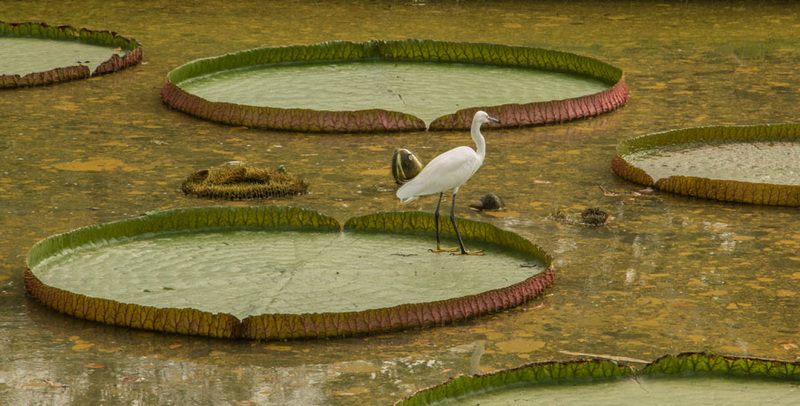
{"points": [[480, 143]]}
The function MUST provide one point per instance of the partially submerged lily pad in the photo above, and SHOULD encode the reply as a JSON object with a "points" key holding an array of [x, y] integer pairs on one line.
{"points": [[33, 54], [393, 85], [280, 272], [746, 164], [689, 378], [242, 182]]}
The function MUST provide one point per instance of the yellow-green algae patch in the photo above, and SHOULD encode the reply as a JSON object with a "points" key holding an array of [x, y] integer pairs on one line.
{"points": [[747, 164], [280, 272]]}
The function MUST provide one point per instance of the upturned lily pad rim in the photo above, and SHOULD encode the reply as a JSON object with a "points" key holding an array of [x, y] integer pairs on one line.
{"points": [[280, 326], [713, 189], [587, 371], [68, 33], [412, 50]]}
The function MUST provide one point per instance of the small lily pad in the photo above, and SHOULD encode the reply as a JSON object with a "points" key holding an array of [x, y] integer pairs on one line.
{"points": [[278, 272], [747, 164], [393, 85], [33, 54]]}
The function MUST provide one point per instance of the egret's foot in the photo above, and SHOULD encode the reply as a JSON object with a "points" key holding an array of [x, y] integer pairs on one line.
{"points": [[440, 249], [477, 252]]}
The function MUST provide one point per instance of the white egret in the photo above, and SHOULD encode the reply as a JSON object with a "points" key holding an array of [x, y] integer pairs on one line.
{"points": [[449, 171]]}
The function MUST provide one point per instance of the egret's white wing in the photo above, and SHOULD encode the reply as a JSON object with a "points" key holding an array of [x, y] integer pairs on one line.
{"points": [[445, 172]]}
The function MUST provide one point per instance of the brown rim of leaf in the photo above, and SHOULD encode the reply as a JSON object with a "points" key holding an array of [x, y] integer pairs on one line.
{"points": [[510, 115], [713, 189], [282, 326], [116, 63]]}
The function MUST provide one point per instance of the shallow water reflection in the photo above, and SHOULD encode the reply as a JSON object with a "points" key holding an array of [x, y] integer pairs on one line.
{"points": [[669, 273]]}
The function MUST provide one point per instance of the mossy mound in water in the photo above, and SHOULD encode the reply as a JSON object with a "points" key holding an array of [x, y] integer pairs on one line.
{"points": [[242, 182], [590, 217]]}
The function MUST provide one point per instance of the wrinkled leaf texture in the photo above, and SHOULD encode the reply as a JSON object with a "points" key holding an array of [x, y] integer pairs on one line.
{"points": [[40, 30], [280, 326], [510, 115], [714, 189], [685, 365]]}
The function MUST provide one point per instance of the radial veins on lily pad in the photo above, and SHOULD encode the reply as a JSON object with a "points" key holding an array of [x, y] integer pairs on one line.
{"points": [[120, 52], [384, 55], [276, 272], [687, 378], [747, 164]]}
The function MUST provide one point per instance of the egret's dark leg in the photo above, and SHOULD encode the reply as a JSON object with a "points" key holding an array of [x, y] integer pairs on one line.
{"points": [[455, 227], [436, 222]]}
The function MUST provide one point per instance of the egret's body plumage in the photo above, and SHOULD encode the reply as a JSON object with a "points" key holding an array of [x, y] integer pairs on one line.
{"points": [[449, 171]]}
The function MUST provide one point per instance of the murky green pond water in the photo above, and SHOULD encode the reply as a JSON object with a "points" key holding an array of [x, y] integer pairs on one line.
{"points": [[668, 274]]}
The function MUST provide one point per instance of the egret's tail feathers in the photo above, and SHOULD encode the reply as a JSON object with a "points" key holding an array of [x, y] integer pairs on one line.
{"points": [[407, 193], [409, 199]]}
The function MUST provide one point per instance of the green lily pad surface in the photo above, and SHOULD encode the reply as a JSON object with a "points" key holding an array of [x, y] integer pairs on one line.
{"points": [[34, 54], [393, 85], [248, 273], [256, 271], [690, 378], [425, 90], [20, 56], [748, 164]]}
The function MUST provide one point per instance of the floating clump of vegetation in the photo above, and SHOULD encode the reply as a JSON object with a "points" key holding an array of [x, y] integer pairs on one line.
{"points": [[510, 114], [243, 182], [229, 272], [128, 53], [596, 380], [746, 164], [589, 217]]}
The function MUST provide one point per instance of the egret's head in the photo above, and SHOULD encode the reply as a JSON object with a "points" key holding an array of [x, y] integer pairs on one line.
{"points": [[481, 117]]}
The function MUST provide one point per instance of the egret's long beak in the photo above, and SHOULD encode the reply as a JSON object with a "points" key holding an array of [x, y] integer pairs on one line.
{"points": [[494, 120]]}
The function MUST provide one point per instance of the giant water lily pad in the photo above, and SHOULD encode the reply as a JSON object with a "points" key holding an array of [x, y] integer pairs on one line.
{"points": [[747, 164], [280, 272], [689, 378], [33, 54], [393, 85]]}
